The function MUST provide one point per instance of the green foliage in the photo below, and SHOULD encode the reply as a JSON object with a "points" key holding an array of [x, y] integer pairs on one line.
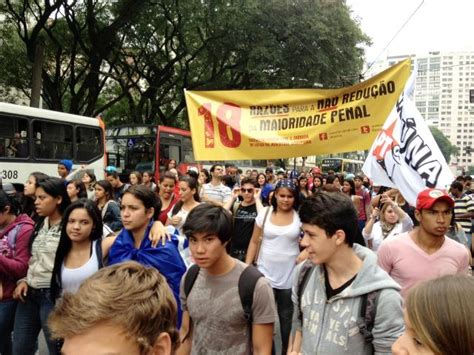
{"points": [[132, 60], [444, 144]]}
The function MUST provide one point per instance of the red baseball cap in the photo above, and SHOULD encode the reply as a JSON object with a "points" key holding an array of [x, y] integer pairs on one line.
{"points": [[428, 197]]}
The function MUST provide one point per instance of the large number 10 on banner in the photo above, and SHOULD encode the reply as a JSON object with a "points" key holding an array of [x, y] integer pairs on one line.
{"points": [[273, 124]]}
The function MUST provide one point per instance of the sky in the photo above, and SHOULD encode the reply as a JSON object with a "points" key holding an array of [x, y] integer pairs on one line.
{"points": [[438, 25]]}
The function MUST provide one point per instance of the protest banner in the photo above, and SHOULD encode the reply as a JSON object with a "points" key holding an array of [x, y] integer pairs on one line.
{"points": [[405, 155], [274, 124]]}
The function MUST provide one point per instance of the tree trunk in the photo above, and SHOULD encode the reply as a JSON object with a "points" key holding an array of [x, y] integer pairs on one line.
{"points": [[36, 81]]}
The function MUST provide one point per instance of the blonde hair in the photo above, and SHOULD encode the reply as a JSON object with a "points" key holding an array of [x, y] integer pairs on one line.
{"points": [[130, 295], [441, 313]]}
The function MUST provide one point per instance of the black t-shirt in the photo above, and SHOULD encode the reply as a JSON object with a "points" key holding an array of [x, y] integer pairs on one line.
{"points": [[244, 221], [120, 191], [330, 292]]}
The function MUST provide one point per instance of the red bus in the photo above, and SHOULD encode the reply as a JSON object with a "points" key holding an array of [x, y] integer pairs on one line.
{"points": [[148, 148]]}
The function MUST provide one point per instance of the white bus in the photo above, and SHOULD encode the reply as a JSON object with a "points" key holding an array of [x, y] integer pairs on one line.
{"points": [[33, 139]]}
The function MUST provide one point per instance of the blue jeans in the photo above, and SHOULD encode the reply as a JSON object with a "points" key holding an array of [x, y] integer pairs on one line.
{"points": [[7, 318], [285, 315], [30, 318]]}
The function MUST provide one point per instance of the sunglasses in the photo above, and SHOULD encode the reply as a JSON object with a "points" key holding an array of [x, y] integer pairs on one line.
{"points": [[247, 190]]}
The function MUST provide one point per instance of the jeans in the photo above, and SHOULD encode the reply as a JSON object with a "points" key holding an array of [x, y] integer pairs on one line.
{"points": [[30, 318], [7, 318], [285, 315]]}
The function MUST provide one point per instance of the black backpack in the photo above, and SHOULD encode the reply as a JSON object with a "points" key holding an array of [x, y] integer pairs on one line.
{"points": [[368, 308], [247, 282]]}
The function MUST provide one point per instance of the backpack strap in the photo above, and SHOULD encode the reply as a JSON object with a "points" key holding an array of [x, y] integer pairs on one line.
{"points": [[14, 233], [247, 281], [367, 314], [303, 278], [190, 278], [98, 253]]}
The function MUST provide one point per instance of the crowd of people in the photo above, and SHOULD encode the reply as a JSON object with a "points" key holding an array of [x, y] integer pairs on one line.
{"points": [[214, 261]]}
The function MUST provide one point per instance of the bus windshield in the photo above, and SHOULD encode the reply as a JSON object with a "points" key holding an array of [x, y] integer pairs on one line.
{"points": [[134, 148]]}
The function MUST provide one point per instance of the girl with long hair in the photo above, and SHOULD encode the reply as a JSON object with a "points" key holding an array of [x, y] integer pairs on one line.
{"points": [[392, 220], [275, 238], [265, 188], [439, 318], [139, 208], [109, 209], [189, 198], [34, 290], [135, 178], [15, 232], [317, 184], [348, 188], [76, 190], [147, 181], [81, 249], [28, 198], [204, 177], [166, 194], [172, 164], [89, 180], [303, 186]]}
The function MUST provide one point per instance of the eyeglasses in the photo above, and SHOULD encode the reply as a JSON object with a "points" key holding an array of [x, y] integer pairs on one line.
{"points": [[247, 190]]}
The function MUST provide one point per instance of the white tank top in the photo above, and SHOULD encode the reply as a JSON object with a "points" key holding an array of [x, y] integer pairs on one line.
{"points": [[73, 278]]}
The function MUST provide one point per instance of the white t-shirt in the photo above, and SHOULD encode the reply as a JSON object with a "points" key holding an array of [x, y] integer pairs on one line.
{"points": [[279, 250], [183, 214], [183, 245], [404, 225]]}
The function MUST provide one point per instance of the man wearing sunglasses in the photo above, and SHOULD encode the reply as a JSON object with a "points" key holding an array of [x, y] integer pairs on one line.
{"points": [[244, 214]]}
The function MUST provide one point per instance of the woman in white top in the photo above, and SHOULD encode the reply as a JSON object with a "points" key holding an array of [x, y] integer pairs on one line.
{"points": [[279, 249], [392, 221], [81, 249], [189, 198]]}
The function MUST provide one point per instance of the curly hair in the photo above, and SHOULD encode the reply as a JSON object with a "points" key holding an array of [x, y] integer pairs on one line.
{"points": [[132, 296]]}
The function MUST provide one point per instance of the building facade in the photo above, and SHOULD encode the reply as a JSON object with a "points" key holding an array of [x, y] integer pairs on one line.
{"points": [[442, 96]]}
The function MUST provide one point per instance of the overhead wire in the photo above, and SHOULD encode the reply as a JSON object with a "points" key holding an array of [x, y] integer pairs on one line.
{"points": [[394, 36]]}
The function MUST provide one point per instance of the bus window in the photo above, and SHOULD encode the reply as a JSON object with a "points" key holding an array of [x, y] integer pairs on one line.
{"points": [[89, 143], [140, 154], [13, 137], [188, 155], [52, 140], [169, 149]]}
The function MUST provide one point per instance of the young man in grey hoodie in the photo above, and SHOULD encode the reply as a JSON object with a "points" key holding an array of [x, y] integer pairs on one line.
{"points": [[340, 275]]}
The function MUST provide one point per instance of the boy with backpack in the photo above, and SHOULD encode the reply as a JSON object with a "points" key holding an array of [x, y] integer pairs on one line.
{"points": [[228, 306], [343, 302]]}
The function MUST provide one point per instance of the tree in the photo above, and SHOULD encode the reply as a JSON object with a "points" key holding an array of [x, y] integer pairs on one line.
{"points": [[132, 60], [444, 144]]}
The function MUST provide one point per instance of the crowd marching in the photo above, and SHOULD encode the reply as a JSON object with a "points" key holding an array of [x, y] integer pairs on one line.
{"points": [[231, 262]]}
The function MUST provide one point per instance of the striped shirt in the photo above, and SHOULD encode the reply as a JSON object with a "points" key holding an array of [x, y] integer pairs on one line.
{"points": [[463, 205], [219, 193]]}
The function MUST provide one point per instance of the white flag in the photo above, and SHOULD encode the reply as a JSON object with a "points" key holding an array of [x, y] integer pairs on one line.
{"points": [[405, 155]]}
